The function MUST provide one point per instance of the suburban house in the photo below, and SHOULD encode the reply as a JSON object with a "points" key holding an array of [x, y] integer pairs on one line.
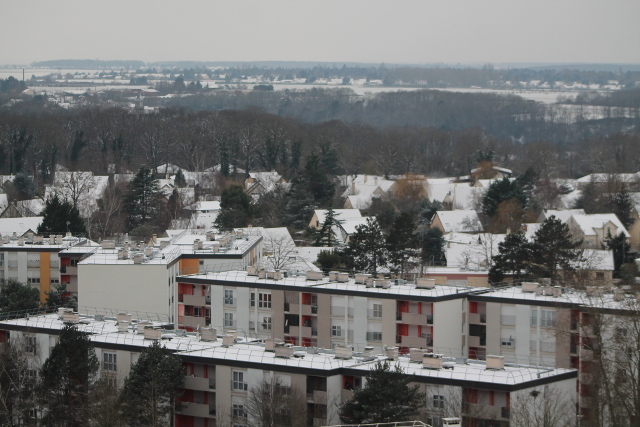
{"points": [[460, 221]]}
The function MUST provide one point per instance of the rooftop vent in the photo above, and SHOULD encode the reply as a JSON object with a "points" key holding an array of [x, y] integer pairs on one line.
{"points": [[271, 343], [361, 277], [152, 334], [432, 361], [58, 239], [20, 241], [137, 258], [38, 240], [495, 362], [198, 245], [252, 270], [552, 291], [368, 282], [227, 340], [208, 334], [333, 276], [123, 317], [391, 353], [215, 247], [148, 251], [70, 317], [343, 277], [283, 350], [275, 275], [262, 273], [381, 283], [422, 283], [140, 326], [123, 326], [314, 275], [343, 352], [416, 354], [98, 317], [529, 286]]}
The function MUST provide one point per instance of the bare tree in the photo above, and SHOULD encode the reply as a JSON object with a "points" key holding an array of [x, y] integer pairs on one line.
{"points": [[74, 186], [279, 250], [272, 403], [17, 384], [548, 407]]}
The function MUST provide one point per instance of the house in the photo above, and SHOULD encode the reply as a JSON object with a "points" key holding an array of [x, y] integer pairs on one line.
{"points": [[319, 216], [260, 183], [460, 221], [358, 202], [562, 215], [366, 185], [595, 229]]}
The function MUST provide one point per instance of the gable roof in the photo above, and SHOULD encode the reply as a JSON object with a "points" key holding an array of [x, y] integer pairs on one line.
{"points": [[562, 215], [589, 223], [458, 221], [340, 214]]}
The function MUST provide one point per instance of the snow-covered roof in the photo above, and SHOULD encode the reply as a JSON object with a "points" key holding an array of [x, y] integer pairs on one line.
{"points": [[605, 177], [359, 202], [8, 226], [340, 214], [459, 220], [350, 225], [207, 206], [471, 250], [562, 215], [589, 223]]}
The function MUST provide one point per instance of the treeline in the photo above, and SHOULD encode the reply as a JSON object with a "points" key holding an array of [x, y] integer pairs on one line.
{"points": [[33, 139], [89, 64]]}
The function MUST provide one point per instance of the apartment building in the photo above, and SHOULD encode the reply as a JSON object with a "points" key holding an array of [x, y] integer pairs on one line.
{"points": [[36, 260], [137, 277], [313, 310], [220, 371]]}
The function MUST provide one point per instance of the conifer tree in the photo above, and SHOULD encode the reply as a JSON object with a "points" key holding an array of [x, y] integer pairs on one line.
{"points": [[236, 209], [514, 256], [401, 243], [143, 200], [386, 397], [149, 392], [553, 249], [60, 217], [324, 236], [367, 251]]}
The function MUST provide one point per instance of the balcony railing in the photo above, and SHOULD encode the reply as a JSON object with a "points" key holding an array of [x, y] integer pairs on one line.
{"points": [[196, 300], [33, 264], [477, 318]]}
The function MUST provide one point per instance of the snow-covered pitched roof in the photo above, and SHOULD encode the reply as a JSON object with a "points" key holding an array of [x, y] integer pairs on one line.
{"points": [[359, 202], [471, 250], [605, 177], [207, 206], [562, 215], [8, 226], [340, 214], [459, 220], [349, 225], [595, 259], [589, 223]]}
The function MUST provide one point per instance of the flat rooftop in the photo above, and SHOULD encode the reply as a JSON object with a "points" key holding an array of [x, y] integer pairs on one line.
{"points": [[324, 285], [104, 333]]}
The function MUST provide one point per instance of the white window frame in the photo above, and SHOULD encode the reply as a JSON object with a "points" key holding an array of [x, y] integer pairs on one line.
{"points": [[110, 362], [238, 410], [547, 318], [438, 401], [336, 330], [228, 297], [264, 300], [30, 344], [228, 320], [237, 381], [377, 311], [266, 323]]}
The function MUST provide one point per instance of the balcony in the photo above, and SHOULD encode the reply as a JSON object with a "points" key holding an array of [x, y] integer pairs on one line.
{"points": [[477, 318], [291, 308], [193, 322], [304, 331], [319, 397], [196, 300], [197, 383], [417, 342], [308, 310], [192, 409], [229, 302], [33, 264], [347, 395], [475, 341], [416, 319]]}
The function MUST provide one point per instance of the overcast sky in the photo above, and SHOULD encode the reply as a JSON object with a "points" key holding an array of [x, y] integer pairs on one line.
{"points": [[391, 31]]}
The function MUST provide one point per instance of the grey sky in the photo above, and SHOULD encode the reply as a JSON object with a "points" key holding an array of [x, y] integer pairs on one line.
{"points": [[392, 31]]}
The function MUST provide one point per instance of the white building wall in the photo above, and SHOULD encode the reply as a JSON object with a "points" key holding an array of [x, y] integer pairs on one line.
{"points": [[523, 332], [217, 302], [22, 266], [360, 321], [129, 287], [243, 296], [334, 397], [447, 326]]}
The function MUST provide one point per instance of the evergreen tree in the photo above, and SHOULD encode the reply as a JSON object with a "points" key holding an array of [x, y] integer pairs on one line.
{"points": [[385, 398], [367, 251], [328, 260], [60, 217], [317, 181], [553, 249], [236, 209], [402, 243], [432, 246], [300, 206], [324, 236], [179, 180], [500, 191], [514, 256], [622, 206], [16, 296], [149, 392], [66, 378], [59, 296], [23, 186], [143, 200], [621, 251]]}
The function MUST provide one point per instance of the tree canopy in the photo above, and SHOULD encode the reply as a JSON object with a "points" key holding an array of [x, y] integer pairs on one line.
{"points": [[16, 296], [152, 386], [60, 217], [236, 209], [143, 200], [367, 251], [386, 397]]}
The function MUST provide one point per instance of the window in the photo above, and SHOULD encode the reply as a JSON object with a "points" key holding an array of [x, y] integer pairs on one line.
{"points": [[266, 323], [30, 345], [264, 300], [228, 320], [547, 318], [197, 311], [438, 401], [336, 331], [237, 410], [534, 317], [54, 281], [109, 362], [228, 297], [34, 280], [377, 310], [253, 299], [238, 383], [374, 336]]}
